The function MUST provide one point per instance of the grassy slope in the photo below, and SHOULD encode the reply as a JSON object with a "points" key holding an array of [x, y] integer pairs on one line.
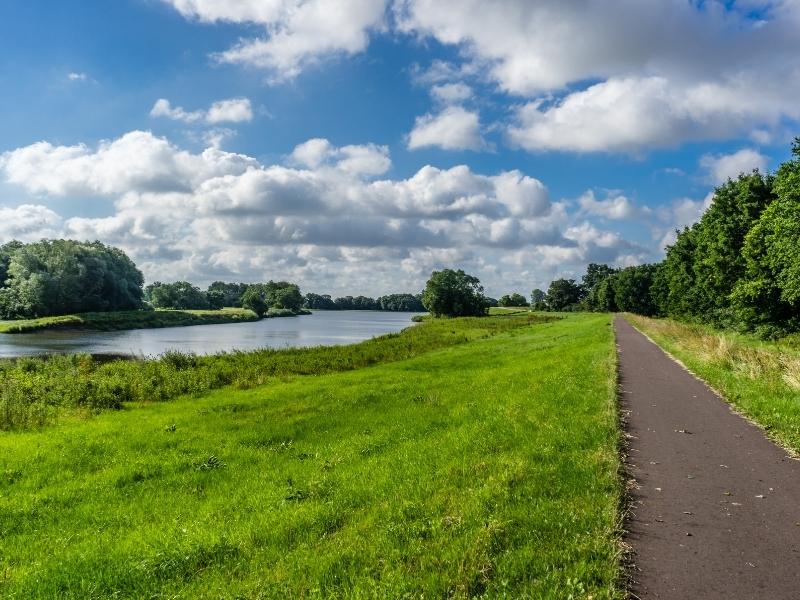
{"points": [[130, 319], [761, 379], [485, 468]]}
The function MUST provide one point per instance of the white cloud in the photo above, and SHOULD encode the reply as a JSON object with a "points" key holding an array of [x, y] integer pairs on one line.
{"points": [[615, 207], [28, 222], [451, 93], [455, 128], [325, 221], [366, 159], [73, 76], [663, 71], [722, 167], [297, 32], [234, 110]]}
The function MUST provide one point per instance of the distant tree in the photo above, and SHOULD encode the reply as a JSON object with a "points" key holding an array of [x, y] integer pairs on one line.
{"points": [[451, 293], [512, 300], [632, 290], [357, 303], [538, 298], [319, 302], [564, 294], [260, 297], [255, 299], [231, 292], [216, 300], [56, 277], [401, 303], [594, 284], [180, 295], [492, 302], [603, 295]]}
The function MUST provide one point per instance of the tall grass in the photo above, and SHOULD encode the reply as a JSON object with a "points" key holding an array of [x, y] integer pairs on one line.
{"points": [[33, 390], [760, 378]]}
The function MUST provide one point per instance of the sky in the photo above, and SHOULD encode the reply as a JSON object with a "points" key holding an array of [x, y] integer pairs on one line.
{"points": [[353, 146]]}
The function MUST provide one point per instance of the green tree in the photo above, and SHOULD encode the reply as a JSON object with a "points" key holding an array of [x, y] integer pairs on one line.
{"points": [[514, 299], [632, 290], [450, 293], [719, 238], [231, 292], [597, 274], [564, 294], [255, 299], [768, 294], [319, 302], [538, 298], [401, 303], [180, 295], [56, 277]]}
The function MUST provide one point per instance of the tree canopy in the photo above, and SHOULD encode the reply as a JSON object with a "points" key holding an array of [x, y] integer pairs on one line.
{"points": [[58, 277], [451, 293], [514, 299]]}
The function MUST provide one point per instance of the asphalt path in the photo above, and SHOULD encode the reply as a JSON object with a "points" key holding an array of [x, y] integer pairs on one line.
{"points": [[715, 509]]}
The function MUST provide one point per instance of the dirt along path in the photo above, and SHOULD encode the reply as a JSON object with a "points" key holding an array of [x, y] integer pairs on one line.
{"points": [[716, 509]]}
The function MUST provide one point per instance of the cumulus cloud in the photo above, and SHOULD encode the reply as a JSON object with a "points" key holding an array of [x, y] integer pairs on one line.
{"points": [[74, 76], [234, 110], [615, 206], [454, 128], [451, 93], [663, 72], [28, 222], [721, 167], [324, 217], [296, 32]]}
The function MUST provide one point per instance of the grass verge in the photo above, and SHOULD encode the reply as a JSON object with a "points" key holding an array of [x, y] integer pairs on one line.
{"points": [[34, 390], [761, 379], [484, 469]]}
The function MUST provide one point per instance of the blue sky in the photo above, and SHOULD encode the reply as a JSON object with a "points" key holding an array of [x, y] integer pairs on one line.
{"points": [[517, 140]]}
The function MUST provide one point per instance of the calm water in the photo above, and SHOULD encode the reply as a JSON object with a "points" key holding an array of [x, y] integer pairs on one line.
{"points": [[319, 328]]}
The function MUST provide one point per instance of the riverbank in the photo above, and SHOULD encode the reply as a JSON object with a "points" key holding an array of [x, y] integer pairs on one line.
{"points": [[140, 319], [480, 461]]}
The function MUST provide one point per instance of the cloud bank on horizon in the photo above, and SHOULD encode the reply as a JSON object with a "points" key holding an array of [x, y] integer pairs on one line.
{"points": [[534, 85]]}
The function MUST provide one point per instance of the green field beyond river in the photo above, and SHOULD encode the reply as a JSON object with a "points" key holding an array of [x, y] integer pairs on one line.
{"points": [[460, 458]]}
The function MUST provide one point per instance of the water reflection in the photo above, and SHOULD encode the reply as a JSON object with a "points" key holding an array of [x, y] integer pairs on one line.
{"points": [[319, 328]]}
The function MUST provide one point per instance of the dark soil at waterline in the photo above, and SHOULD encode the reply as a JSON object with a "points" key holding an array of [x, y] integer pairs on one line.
{"points": [[716, 509]]}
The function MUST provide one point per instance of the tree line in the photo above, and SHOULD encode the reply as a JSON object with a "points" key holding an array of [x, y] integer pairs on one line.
{"points": [[390, 302], [738, 267]]}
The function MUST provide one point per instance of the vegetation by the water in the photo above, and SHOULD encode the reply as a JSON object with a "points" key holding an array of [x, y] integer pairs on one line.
{"points": [[60, 277], [454, 293], [132, 319], [34, 390], [494, 479], [390, 302], [761, 379]]}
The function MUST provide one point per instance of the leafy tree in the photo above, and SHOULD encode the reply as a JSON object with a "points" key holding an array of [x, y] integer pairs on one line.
{"points": [[357, 303], [231, 292], [56, 277], [538, 298], [719, 238], [260, 297], [595, 277], [678, 276], [631, 288], [255, 299], [563, 294], [512, 300], [603, 295], [401, 303], [450, 293], [769, 291], [319, 302], [180, 295]]}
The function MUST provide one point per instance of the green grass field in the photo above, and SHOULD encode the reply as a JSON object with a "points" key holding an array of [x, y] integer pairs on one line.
{"points": [[761, 379], [488, 468]]}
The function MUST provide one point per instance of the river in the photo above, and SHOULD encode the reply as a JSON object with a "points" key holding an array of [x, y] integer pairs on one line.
{"points": [[319, 328]]}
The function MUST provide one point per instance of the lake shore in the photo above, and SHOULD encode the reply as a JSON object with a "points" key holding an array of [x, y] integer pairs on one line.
{"points": [[139, 319]]}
